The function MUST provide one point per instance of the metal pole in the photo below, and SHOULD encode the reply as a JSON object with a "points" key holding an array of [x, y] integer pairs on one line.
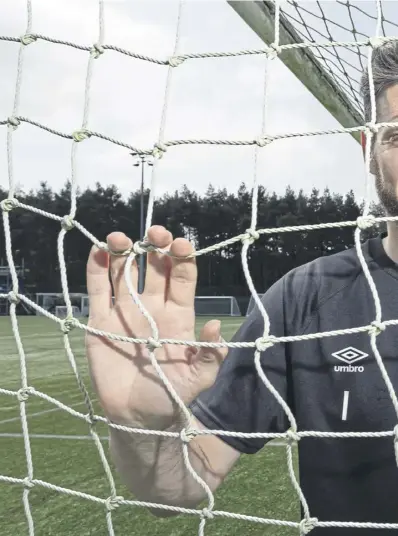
{"points": [[142, 229]]}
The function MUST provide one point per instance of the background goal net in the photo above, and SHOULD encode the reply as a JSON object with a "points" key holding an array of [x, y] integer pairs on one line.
{"points": [[326, 45], [217, 305], [61, 311], [252, 304]]}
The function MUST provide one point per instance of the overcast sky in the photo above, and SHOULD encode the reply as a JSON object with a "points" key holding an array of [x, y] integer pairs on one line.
{"points": [[209, 98]]}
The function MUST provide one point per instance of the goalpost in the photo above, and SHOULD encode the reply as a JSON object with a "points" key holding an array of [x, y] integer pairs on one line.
{"points": [[55, 301], [284, 38], [217, 306], [252, 304], [311, 67]]}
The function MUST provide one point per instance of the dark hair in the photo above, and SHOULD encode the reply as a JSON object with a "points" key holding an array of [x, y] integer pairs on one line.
{"points": [[385, 73]]}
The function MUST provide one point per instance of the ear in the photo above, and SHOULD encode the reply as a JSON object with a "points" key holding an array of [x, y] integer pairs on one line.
{"points": [[372, 159]]}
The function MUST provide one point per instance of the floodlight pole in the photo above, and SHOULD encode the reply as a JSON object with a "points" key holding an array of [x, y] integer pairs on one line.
{"points": [[141, 161]]}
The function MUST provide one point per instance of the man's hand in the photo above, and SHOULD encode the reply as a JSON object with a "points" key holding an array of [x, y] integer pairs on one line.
{"points": [[129, 389]]}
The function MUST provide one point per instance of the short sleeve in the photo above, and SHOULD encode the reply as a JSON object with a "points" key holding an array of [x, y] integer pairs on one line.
{"points": [[239, 401]]}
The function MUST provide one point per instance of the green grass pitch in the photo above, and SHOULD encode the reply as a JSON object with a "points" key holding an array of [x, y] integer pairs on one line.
{"points": [[63, 455]]}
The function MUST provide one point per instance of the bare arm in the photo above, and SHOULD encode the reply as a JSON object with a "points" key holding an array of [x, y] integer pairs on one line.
{"points": [[153, 467]]}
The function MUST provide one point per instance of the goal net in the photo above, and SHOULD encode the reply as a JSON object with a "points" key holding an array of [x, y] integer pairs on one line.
{"points": [[252, 304], [326, 45], [217, 306], [61, 311], [50, 301]]}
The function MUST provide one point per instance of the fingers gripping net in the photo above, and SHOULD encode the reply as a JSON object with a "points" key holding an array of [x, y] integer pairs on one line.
{"points": [[94, 53]]}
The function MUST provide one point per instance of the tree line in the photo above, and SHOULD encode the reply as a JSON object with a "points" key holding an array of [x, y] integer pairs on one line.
{"points": [[204, 219]]}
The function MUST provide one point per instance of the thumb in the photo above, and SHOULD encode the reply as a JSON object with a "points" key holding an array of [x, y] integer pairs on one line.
{"points": [[208, 360]]}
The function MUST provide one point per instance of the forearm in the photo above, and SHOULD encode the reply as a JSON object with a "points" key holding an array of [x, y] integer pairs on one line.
{"points": [[153, 467]]}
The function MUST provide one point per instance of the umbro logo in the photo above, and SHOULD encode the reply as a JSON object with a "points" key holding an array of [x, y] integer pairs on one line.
{"points": [[349, 355]]}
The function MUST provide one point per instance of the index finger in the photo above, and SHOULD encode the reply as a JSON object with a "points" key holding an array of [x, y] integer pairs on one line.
{"points": [[98, 284]]}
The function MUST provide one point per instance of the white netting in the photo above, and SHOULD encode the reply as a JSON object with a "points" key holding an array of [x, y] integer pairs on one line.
{"points": [[68, 222]]}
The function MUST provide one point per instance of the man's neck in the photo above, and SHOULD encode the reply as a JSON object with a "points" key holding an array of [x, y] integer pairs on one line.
{"points": [[390, 242]]}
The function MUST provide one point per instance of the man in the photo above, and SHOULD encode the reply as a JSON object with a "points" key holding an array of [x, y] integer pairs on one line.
{"points": [[331, 384]]}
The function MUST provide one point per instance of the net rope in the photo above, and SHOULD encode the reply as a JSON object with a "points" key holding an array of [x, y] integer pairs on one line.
{"points": [[259, 346]]}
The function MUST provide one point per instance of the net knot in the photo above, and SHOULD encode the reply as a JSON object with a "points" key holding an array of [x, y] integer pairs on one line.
{"points": [[207, 513], [111, 503], [139, 248], [67, 324], [262, 141], [67, 223], [292, 436], [306, 525], [175, 61], [187, 434], [23, 394], [262, 343], [91, 419], [396, 433], [371, 127], [152, 344], [13, 297], [375, 41], [273, 50], [251, 236], [364, 222], [376, 327], [13, 122], [27, 482], [8, 204], [28, 39], [97, 50], [159, 150], [81, 135]]}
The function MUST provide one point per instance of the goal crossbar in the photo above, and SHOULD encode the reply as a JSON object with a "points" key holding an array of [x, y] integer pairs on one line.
{"points": [[260, 17]]}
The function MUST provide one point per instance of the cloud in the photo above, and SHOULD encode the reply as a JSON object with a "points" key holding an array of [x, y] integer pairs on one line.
{"points": [[209, 99]]}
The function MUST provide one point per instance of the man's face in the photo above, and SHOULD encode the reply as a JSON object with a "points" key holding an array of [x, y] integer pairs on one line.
{"points": [[385, 165]]}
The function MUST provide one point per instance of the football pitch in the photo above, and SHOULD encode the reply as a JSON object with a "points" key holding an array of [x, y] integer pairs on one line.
{"points": [[65, 455]]}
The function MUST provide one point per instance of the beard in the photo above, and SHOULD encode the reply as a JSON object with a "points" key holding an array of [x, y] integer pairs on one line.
{"points": [[386, 189]]}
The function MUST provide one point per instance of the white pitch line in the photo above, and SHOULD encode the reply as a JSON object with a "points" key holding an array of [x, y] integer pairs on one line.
{"points": [[89, 438], [53, 436], [38, 413]]}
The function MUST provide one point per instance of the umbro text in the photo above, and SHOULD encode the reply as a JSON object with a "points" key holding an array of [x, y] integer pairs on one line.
{"points": [[348, 368]]}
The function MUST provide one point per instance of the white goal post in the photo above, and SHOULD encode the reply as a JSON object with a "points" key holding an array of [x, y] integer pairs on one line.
{"points": [[49, 301], [313, 73], [204, 306], [252, 304], [216, 305], [61, 311]]}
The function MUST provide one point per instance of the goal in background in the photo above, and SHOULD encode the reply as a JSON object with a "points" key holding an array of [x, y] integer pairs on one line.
{"points": [[61, 311], [217, 306], [317, 57], [252, 304], [49, 301]]}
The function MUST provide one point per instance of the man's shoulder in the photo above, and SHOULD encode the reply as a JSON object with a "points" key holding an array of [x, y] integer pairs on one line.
{"points": [[310, 285], [341, 266]]}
